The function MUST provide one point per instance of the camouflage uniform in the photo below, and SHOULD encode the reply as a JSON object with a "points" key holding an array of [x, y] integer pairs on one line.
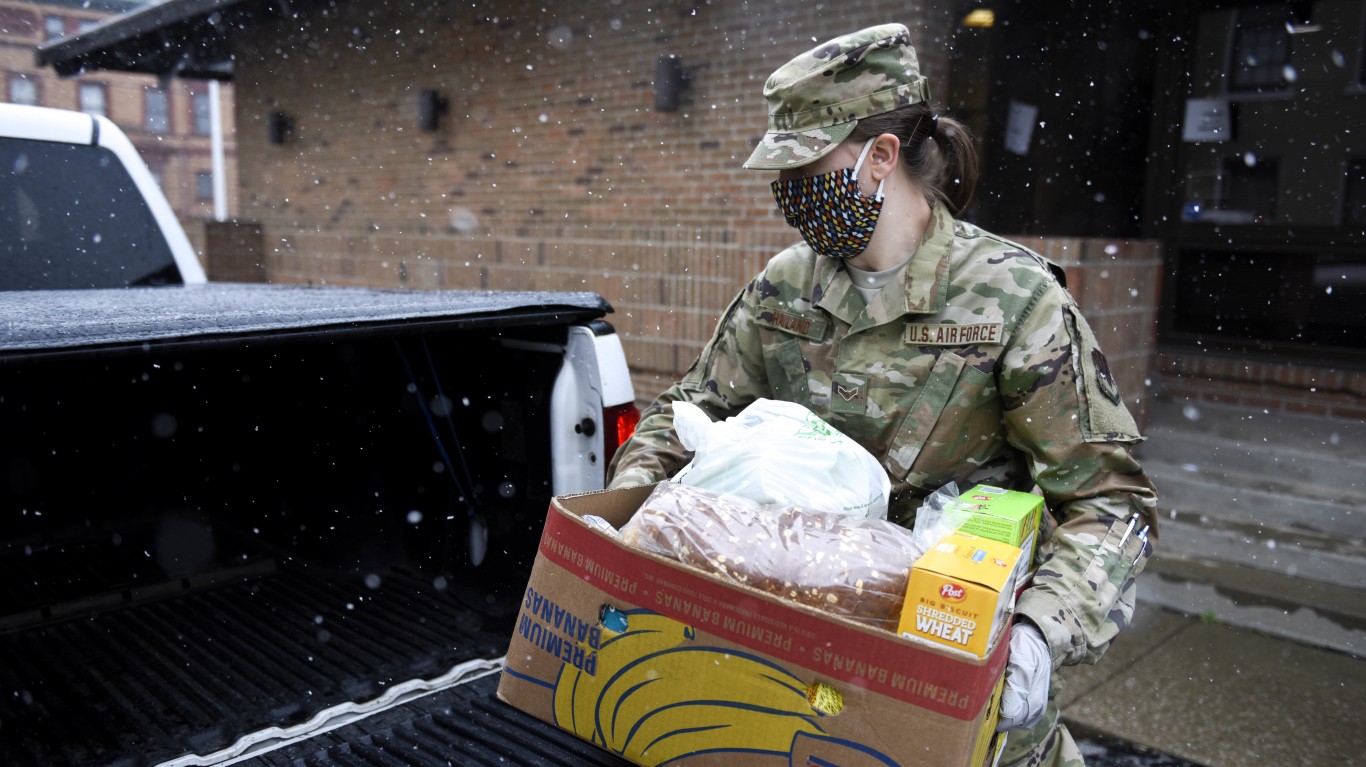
{"points": [[976, 366]]}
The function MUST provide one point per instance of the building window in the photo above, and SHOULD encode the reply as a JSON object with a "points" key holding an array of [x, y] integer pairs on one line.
{"points": [[1250, 190], [203, 185], [1354, 196], [87, 24], [157, 114], [1260, 59], [54, 27], [1361, 54], [200, 107], [94, 99], [1301, 301], [23, 91]]}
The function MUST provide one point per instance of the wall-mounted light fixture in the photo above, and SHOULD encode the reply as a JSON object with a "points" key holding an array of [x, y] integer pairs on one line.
{"points": [[980, 18], [1300, 20], [671, 79], [431, 107], [279, 126]]}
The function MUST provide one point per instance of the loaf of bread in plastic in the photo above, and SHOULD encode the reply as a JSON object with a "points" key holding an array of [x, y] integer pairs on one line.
{"points": [[853, 567]]}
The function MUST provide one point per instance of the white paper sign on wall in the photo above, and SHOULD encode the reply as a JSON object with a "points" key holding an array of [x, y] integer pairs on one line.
{"points": [[1207, 120], [1020, 126]]}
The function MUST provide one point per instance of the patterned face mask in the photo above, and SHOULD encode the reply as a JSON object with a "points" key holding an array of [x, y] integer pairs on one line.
{"points": [[835, 218]]}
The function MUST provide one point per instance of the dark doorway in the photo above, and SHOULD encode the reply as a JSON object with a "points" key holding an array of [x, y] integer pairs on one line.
{"points": [[1059, 96]]}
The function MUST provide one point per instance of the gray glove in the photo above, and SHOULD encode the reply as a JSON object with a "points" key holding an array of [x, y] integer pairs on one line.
{"points": [[1028, 667]]}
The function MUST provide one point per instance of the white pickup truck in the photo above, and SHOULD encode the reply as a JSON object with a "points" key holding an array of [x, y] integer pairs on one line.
{"points": [[260, 524]]}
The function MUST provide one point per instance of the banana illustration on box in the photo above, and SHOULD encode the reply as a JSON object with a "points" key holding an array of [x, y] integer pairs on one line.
{"points": [[656, 697]]}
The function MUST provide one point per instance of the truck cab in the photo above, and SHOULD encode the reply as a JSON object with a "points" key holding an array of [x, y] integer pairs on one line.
{"points": [[79, 208]]}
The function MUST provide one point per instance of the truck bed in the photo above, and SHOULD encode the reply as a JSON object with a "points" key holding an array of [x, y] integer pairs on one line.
{"points": [[207, 663], [194, 668], [235, 508]]}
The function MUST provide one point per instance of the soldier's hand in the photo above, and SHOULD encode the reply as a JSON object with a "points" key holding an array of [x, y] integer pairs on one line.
{"points": [[1028, 667]]}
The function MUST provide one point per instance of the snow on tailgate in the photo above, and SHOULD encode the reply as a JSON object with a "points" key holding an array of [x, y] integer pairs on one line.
{"points": [[67, 319]]}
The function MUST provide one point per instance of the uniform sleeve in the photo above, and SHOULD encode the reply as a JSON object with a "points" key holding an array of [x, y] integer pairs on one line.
{"points": [[1064, 411], [728, 375]]}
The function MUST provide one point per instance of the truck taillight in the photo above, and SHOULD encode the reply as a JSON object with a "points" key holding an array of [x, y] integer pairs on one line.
{"points": [[619, 423]]}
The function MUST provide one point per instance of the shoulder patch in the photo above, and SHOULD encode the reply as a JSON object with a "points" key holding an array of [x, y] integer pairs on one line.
{"points": [[1104, 417]]}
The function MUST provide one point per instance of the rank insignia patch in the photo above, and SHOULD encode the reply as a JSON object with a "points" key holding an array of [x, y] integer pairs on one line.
{"points": [[848, 394]]}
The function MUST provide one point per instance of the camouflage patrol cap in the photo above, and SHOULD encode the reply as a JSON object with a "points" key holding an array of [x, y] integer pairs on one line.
{"points": [[815, 99]]}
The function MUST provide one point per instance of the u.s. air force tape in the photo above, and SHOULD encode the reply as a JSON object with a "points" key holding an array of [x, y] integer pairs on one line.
{"points": [[925, 334]]}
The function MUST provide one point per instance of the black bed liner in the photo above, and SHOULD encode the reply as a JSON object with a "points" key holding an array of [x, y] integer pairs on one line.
{"points": [[465, 725], [189, 667]]}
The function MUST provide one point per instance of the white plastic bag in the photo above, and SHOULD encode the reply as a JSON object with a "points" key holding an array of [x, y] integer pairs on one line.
{"points": [[939, 514], [779, 453]]}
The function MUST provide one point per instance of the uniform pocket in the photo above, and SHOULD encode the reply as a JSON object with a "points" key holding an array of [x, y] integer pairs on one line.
{"points": [[923, 414], [1108, 576], [787, 374], [966, 433]]}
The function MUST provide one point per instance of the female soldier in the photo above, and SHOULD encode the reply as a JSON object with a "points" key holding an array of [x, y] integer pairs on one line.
{"points": [[949, 353]]}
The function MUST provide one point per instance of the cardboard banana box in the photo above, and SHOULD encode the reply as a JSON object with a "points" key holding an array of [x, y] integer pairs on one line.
{"points": [[663, 664]]}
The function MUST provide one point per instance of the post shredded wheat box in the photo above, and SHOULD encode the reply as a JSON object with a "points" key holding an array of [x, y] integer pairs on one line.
{"points": [[959, 592]]}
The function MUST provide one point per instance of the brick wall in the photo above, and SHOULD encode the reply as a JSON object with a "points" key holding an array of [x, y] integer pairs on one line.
{"points": [[234, 250], [553, 170], [1306, 389]]}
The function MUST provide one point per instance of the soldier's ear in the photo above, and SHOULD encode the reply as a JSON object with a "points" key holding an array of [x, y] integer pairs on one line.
{"points": [[884, 155]]}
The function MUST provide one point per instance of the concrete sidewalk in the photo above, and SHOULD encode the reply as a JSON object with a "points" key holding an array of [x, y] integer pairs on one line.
{"points": [[1221, 696], [1249, 643]]}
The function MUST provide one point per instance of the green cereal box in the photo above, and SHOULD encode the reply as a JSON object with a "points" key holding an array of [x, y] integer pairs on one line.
{"points": [[1008, 516]]}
